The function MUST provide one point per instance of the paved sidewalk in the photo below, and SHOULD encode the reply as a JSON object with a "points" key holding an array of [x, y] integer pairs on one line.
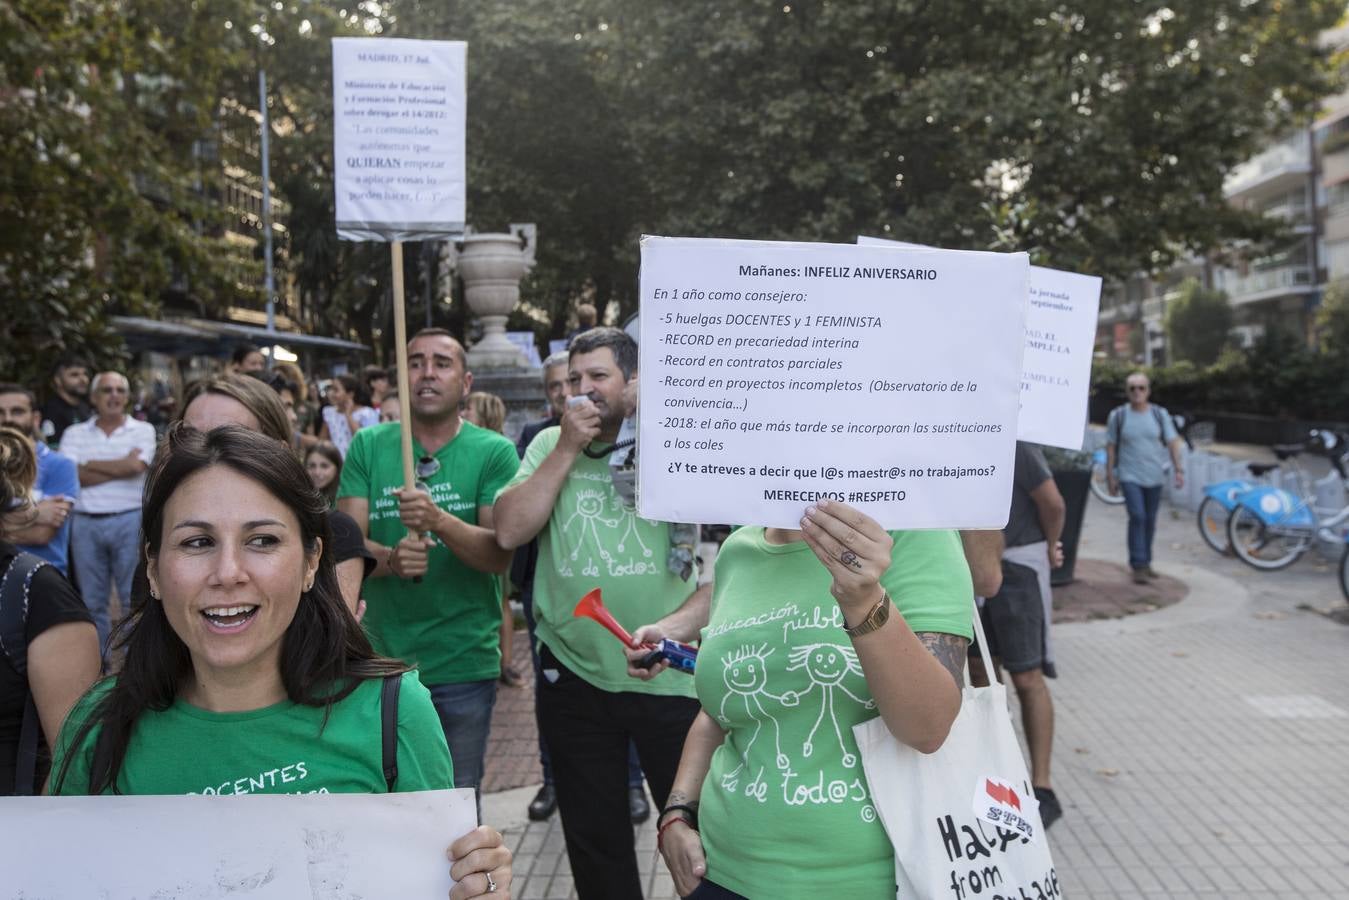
{"points": [[1200, 749]]}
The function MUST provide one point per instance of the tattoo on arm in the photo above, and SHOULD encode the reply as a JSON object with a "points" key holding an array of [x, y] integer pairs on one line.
{"points": [[679, 798], [950, 650]]}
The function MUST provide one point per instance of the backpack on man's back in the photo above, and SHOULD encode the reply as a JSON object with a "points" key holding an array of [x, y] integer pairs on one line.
{"points": [[1114, 424]]}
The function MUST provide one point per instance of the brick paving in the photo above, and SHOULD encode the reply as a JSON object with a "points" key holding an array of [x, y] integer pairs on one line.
{"points": [[513, 743], [1199, 750], [1106, 590]]}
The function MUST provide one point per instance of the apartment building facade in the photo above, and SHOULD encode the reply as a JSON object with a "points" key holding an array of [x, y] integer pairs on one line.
{"points": [[1301, 179]]}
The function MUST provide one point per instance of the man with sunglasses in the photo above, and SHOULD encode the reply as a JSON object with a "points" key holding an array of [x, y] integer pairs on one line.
{"points": [[434, 598], [1139, 435], [112, 451]]}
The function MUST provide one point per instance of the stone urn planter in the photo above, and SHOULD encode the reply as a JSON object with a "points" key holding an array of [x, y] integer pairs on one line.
{"points": [[491, 266]]}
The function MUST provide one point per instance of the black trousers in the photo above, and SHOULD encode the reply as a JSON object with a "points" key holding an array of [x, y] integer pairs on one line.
{"points": [[587, 731]]}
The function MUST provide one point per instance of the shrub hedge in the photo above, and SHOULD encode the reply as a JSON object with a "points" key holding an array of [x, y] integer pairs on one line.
{"points": [[1277, 377]]}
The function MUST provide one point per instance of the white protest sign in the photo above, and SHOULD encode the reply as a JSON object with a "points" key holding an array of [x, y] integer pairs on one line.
{"points": [[253, 847], [774, 374], [528, 346], [1056, 367], [398, 138]]}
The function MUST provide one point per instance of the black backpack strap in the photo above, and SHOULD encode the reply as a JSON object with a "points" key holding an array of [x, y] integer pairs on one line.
{"points": [[30, 738], [1161, 423], [102, 758], [389, 727], [14, 588]]}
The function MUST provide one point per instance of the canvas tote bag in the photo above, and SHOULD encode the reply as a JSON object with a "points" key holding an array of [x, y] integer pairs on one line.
{"points": [[964, 822]]}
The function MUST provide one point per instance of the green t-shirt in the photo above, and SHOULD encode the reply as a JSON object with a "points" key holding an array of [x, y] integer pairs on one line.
{"points": [[786, 790], [448, 624], [593, 541], [285, 748]]}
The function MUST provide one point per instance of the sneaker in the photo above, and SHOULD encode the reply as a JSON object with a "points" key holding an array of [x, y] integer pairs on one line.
{"points": [[638, 808], [1151, 572], [1050, 809], [1140, 576], [543, 804]]}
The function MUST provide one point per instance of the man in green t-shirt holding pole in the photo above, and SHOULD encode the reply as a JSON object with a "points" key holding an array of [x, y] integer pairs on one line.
{"points": [[434, 598], [590, 536]]}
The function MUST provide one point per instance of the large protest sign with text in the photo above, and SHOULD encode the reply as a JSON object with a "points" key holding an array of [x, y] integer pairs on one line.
{"points": [[1056, 366], [398, 138], [774, 374], [245, 847]]}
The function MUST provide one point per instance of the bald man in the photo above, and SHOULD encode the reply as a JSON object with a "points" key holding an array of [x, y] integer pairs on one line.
{"points": [[112, 452], [434, 599]]}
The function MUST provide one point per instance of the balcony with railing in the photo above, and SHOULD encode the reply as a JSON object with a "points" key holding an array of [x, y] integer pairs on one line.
{"points": [[1277, 167], [1265, 284], [1297, 215]]}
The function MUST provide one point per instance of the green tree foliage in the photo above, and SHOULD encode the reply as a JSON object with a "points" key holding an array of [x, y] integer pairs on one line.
{"points": [[1277, 376], [102, 108], [1094, 134], [342, 285], [1332, 321], [1198, 323]]}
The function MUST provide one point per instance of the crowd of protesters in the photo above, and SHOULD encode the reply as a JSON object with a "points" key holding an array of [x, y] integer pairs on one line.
{"points": [[151, 530]]}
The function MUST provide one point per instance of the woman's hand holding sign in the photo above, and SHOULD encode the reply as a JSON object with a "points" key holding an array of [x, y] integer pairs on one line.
{"points": [[854, 549], [914, 679], [481, 865]]}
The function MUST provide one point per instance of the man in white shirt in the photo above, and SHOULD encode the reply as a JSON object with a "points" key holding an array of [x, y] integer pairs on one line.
{"points": [[113, 452]]}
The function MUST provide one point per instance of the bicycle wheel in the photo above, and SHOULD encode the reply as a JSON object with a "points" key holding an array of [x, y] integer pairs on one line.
{"points": [[1262, 546], [1344, 572], [1212, 520], [1100, 486]]}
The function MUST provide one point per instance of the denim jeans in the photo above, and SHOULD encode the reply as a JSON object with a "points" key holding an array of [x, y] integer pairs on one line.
{"points": [[104, 551], [465, 712], [1141, 502]]}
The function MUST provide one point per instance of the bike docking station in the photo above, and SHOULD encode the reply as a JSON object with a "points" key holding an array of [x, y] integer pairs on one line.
{"points": [[1270, 514]]}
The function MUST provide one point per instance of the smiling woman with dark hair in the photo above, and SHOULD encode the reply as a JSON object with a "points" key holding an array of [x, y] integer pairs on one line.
{"points": [[249, 403], [245, 671]]}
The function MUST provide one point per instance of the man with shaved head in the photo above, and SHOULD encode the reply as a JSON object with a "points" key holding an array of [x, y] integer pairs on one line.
{"points": [[434, 599], [112, 452]]}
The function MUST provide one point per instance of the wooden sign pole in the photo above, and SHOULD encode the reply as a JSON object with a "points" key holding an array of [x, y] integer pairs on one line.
{"points": [[400, 341]]}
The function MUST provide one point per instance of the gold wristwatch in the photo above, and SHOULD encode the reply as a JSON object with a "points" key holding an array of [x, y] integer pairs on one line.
{"points": [[879, 615]]}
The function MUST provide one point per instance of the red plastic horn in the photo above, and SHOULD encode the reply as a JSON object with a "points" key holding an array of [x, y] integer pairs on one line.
{"points": [[592, 607]]}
